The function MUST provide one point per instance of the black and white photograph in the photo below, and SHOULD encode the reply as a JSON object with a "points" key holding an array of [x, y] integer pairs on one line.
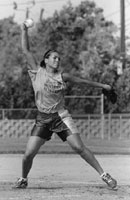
{"points": [[65, 100]]}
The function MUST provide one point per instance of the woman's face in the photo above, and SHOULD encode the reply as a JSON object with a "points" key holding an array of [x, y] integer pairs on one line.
{"points": [[53, 61]]}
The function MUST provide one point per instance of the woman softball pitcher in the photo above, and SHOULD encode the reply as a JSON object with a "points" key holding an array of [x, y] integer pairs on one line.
{"points": [[49, 85]]}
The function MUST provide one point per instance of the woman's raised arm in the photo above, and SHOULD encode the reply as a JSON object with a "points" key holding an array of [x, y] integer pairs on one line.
{"points": [[26, 48]]}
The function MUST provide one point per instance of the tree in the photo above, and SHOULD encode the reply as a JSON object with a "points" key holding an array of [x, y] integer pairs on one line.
{"points": [[86, 42]]}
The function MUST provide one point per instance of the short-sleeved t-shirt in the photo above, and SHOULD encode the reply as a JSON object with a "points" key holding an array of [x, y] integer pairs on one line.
{"points": [[48, 89]]}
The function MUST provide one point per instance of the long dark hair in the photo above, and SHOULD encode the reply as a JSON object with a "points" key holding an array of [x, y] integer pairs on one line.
{"points": [[46, 55]]}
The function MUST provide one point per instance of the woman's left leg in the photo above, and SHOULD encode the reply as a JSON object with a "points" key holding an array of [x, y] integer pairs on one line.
{"points": [[71, 135], [77, 145]]}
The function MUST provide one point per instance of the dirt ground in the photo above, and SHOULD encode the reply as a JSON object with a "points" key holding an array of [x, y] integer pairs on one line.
{"points": [[64, 177]]}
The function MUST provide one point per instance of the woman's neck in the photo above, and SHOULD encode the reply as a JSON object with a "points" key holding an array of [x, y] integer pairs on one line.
{"points": [[51, 70]]}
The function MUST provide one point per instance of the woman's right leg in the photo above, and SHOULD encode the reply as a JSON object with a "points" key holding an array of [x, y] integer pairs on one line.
{"points": [[39, 135], [33, 146]]}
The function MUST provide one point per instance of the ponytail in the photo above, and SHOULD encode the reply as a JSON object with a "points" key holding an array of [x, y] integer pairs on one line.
{"points": [[42, 64]]}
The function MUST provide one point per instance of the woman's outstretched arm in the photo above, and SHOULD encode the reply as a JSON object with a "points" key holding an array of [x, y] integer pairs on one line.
{"points": [[26, 48], [75, 79]]}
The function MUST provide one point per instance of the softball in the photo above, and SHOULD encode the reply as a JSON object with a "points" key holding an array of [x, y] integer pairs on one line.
{"points": [[29, 23]]}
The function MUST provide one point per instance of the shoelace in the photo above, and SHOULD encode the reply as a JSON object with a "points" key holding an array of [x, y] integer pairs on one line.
{"points": [[107, 177]]}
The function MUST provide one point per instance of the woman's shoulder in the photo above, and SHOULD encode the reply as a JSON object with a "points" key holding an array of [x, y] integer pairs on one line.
{"points": [[33, 73]]}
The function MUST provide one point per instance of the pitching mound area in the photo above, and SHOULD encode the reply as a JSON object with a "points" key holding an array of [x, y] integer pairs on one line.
{"points": [[63, 190]]}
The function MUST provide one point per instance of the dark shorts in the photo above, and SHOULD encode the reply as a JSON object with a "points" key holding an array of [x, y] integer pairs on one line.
{"points": [[60, 123]]}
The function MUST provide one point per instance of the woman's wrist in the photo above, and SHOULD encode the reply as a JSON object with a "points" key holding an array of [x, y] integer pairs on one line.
{"points": [[24, 27]]}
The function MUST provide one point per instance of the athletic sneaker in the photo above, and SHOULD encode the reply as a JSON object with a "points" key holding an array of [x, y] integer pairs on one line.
{"points": [[22, 183], [111, 182]]}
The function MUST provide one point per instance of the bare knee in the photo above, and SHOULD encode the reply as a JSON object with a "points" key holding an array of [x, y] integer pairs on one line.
{"points": [[76, 143], [78, 148]]}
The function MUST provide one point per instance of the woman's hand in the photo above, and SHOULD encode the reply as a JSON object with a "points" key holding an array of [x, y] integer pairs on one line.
{"points": [[107, 87], [110, 93]]}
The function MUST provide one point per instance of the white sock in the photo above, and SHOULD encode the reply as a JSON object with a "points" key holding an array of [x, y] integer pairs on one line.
{"points": [[25, 179]]}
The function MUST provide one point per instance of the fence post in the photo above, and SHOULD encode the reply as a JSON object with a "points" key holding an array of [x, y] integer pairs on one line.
{"points": [[102, 116], [109, 126]]}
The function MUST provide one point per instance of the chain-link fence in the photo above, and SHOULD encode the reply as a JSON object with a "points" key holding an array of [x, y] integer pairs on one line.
{"points": [[103, 126]]}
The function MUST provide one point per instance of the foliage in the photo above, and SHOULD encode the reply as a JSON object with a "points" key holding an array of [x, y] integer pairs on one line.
{"points": [[88, 47]]}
